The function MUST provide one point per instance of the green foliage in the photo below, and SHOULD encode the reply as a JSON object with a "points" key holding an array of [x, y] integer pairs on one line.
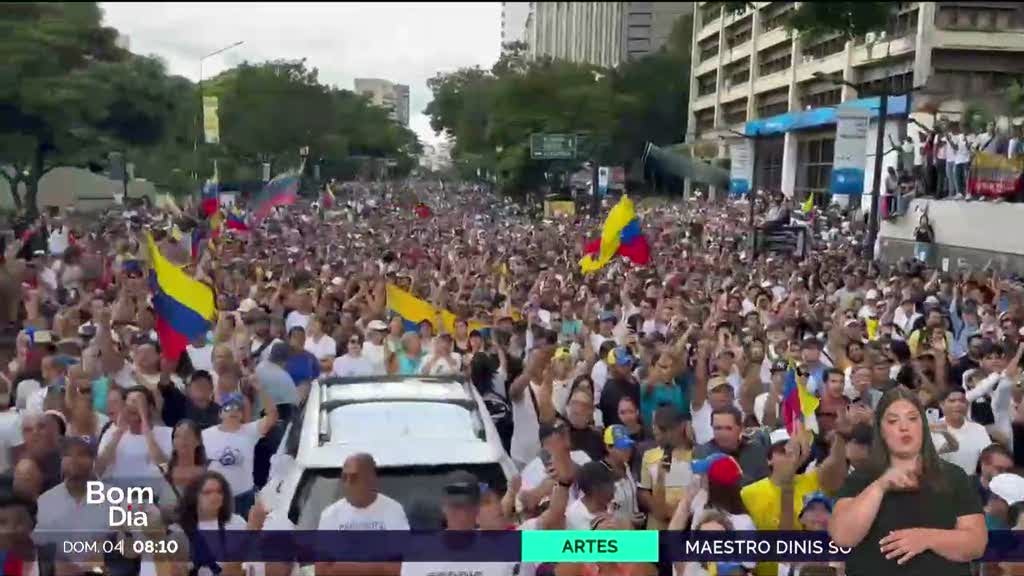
{"points": [[1015, 98], [847, 19], [490, 114]]}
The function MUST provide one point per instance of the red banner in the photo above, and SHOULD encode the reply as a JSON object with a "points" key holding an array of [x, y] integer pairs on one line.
{"points": [[994, 175]]}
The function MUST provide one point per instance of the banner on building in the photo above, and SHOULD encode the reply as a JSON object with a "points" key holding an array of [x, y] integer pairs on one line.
{"points": [[211, 122], [850, 148], [994, 175], [741, 171]]}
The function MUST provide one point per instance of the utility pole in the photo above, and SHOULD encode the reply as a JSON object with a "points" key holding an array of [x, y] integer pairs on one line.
{"points": [[199, 85], [876, 177]]}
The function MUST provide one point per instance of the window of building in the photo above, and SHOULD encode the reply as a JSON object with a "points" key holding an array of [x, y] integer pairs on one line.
{"points": [[739, 33], [825, 48], [710, 12], [735, 112], [706, 83], [898, 84], [708, 48], [768, 163], [815, 161], [822, 99], [705, 120], [737, 73], [774, 15], [979, 17], [775, 64]]}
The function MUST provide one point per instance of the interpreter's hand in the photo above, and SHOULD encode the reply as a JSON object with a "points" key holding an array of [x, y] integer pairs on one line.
{"points": [[903, 545], [899, 479]]}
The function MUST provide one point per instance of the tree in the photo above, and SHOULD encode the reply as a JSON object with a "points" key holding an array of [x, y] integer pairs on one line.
{"points": [[849, 20], [68, 93]]}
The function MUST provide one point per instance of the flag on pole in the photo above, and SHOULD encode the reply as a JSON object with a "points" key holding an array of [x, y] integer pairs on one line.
{"points": [[283, 190], [184, 307], [620, 235]]}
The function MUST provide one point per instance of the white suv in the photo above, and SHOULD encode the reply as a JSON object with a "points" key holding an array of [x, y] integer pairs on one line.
{"points": [[418, 429]]}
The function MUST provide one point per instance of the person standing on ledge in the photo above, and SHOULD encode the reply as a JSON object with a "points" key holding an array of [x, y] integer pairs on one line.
{"points": [[907, 507]]}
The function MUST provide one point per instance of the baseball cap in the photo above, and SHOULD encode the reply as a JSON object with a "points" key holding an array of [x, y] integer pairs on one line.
{"points": [[607, 317], [617, 436], [717, 382], [462, 488], [871, 295], [1009, 487], [377, 326], [620, 356], [931, 301], [817, 498], [247, 305], [720, 469], [233, 401]]}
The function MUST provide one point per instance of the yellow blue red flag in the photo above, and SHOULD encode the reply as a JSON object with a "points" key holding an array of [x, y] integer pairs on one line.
{"points": [[620, 235], [185, 307]]}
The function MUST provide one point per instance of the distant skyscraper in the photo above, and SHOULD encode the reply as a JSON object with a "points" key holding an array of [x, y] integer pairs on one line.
{"points": [[513, 21], [388, 95]]}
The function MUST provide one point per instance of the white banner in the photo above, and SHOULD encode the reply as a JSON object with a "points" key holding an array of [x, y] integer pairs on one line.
{"points": [[851, 139], [211, 121], [741, 167]]}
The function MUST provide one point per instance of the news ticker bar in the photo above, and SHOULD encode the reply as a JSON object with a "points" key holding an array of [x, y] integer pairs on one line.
{"points": [[536, 546]]}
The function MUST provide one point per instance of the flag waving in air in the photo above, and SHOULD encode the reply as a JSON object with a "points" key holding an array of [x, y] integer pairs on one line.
{"points": [[236, 221], [184, 307], [620, 235], [798, 404], [283, 190]]}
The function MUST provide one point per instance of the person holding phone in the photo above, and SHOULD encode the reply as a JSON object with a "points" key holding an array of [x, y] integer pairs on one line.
{"points": [[907, 508]]}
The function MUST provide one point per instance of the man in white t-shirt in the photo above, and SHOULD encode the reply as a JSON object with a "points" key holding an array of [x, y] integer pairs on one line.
{"points": [[362, 508], [971, 437], [443, 361], [303, 312], [374, 348], [461, 506]]}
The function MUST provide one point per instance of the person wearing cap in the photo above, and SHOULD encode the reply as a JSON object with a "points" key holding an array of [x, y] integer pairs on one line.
{"points": [[605, 329], [620, 448], [621, 382], [719, 492], [1004, 491], [374, 348], [750, 450], [814, 517], [460, 503], [231, 445], [870, 307], [63, 508]]}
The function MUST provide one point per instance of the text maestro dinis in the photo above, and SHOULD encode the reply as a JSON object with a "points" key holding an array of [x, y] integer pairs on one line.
{"points": [[790, 546]]}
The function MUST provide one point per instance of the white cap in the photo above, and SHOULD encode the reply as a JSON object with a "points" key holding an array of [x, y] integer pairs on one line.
{"points": [[779, 435], [337, 281], [247, 305], [931, 300], [1009, 487], [871, 295], [377, 325]]}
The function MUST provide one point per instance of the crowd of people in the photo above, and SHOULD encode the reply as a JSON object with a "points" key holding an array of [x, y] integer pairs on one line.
{"points": [[655, 397]]}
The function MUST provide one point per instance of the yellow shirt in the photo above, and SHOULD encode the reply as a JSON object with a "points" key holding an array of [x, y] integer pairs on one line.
{"points": [[676, 480], [763, 500]]}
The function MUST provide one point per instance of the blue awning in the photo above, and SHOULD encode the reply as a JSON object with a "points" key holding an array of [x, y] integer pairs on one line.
{"points": [[820, 116]]}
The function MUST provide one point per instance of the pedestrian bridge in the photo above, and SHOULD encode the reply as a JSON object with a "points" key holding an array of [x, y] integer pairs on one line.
{"points": [[966, 234]]}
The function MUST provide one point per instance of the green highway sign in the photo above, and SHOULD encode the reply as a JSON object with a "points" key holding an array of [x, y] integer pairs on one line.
{"points": [[553, 146]]}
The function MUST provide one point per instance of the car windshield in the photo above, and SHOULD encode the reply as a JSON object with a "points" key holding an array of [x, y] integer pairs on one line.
{"points": [[417, 488], [366, 422]]}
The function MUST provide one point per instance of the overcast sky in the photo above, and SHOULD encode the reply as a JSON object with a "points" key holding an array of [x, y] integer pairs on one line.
{"points": [[406, 43]]}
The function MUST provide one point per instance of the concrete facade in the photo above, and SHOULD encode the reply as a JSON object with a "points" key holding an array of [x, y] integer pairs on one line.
{"points": [[600, 33], [746, 66], [386, 94]]}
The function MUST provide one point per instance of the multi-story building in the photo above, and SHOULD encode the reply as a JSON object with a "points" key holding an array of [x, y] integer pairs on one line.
{"points": [[749, 71], [600, 33], [513, 21], [386, 94]]}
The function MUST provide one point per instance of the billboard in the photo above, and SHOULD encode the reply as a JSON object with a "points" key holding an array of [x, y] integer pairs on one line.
{"points": [[851, 139], [741, 171]]}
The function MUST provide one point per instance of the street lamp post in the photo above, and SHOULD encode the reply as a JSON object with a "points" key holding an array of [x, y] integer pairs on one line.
{"points": [[195, 142]]}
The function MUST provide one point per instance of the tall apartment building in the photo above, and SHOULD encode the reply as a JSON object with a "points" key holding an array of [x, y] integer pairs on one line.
{"points": [[600, 33], [747, 68], [513, 21], [386, 94]]}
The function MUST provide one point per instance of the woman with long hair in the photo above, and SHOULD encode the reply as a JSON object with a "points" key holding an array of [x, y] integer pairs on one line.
{"points": [[188, 462], [906, 506], [207, 505]]}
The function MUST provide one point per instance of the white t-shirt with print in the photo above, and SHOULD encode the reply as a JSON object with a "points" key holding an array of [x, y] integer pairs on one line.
{"points": [[323, 348], [383, 514], [348, 366], [377, 354], [232, 453], [131, 457]]}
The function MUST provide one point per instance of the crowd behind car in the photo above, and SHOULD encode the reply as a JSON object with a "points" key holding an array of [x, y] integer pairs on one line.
{"points": [[633, 398]]}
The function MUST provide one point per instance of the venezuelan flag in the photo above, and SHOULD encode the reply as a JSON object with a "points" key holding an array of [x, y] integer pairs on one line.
{"points": [[236, 221], [620, 235], [184, 307], [798, 404], [414, 310], [209, 202], [283, 190]]}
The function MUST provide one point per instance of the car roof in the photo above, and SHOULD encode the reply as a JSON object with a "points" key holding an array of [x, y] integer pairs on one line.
{"points": [[385, 389]]}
